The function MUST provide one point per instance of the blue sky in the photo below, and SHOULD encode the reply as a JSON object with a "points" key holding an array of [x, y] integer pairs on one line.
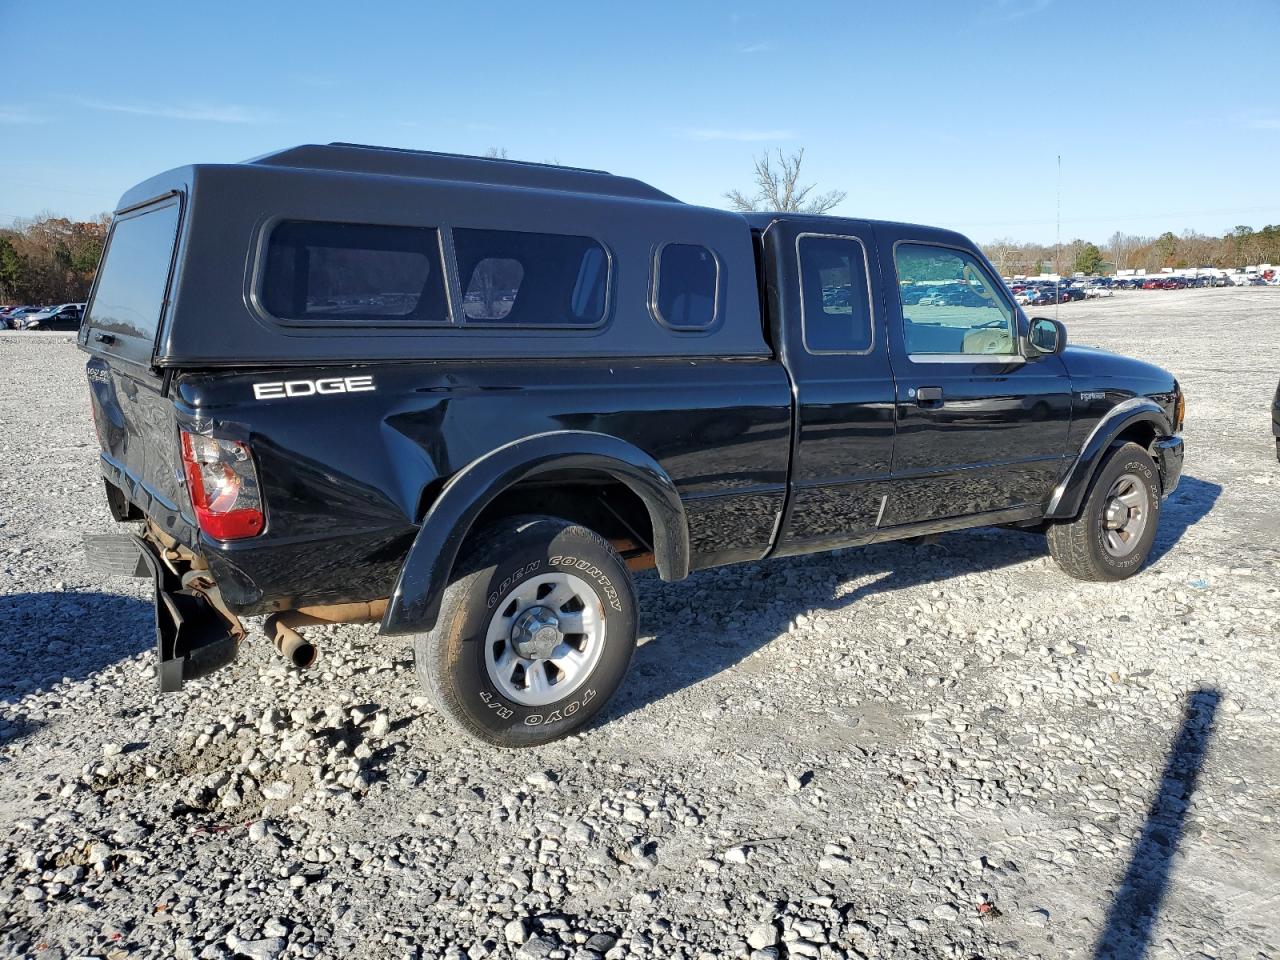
{"points": [[1166, 114]]}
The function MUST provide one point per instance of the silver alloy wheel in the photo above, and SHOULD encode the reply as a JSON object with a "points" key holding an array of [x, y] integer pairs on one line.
{"points": [[1124, 514], [544, 639]]}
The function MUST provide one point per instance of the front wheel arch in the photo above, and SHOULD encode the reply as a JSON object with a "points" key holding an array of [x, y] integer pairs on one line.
{"points": [[1139, 419]]}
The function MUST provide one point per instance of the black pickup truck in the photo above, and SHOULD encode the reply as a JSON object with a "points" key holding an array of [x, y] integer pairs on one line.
{"points": [[465, 398]]}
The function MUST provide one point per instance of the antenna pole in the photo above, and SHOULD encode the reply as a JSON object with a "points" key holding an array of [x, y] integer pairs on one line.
{"points": [[1057, 247]]}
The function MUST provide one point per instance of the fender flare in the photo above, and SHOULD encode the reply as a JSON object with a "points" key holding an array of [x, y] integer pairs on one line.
{"points": [[1069, 494], [415, 602]]}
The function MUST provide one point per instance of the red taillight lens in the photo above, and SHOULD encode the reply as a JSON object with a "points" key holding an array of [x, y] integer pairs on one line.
{"points": [[224, 487]]}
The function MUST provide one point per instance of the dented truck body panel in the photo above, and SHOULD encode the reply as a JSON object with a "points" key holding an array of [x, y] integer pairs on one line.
{"points": [[359, 502]]}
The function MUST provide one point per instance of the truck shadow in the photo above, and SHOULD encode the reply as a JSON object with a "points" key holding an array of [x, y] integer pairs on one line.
{"points": [[51, 636], [706, 624], [1135, 907], [1186, 507], [709, 622]]}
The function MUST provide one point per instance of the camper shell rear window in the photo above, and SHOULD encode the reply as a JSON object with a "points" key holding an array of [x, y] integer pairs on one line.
{"points": [[124, 314]]}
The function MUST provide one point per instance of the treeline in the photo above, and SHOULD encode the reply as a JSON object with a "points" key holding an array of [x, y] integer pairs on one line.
{"points": [[50, 259], [1242, 247]]}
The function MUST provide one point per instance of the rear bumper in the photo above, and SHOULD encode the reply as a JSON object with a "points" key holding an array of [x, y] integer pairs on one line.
{"points": [[1168, 454], [193, 639]]}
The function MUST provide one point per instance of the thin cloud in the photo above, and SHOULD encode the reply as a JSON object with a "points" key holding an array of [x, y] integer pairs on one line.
{"points": [[201, 112], [1260, 120], [763, 47], [1017, 9], [16, 114], [315, 81], [747, 135]]}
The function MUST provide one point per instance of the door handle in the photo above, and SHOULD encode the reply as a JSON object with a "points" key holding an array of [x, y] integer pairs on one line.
{"points": [[926, 395]]}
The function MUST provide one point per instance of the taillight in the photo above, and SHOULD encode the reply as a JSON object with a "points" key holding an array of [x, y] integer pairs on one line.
{"points": [[224, 486]]}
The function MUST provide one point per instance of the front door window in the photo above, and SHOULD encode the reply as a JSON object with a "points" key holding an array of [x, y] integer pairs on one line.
{"points": [[950, 304]]}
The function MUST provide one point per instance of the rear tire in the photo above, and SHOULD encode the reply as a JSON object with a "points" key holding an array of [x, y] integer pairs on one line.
{"points": [[1112, 537], [538, 604]]}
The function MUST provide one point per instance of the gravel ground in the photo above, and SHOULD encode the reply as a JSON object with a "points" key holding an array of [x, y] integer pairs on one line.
{"points": [[905, 751]]}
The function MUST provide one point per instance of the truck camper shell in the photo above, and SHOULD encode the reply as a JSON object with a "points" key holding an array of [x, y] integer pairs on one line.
{"points": [[216, 312]]}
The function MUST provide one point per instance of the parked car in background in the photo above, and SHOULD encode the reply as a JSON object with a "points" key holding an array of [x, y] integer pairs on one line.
{"points": [[14, 318], [64, 316], [1068, 294]]}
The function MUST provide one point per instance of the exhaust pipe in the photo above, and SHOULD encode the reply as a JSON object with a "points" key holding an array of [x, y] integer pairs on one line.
{"points": [[282, 627], [299, 652]]}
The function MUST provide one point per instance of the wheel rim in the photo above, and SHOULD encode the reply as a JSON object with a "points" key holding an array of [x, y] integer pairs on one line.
{"points": [[544, 639], [1124, 515]]}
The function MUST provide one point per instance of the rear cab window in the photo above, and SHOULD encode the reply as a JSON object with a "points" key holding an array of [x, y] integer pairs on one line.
{"points": [[834, 294], [123, 317]]}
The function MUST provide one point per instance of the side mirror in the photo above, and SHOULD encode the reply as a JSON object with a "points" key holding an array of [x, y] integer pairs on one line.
{"points": [[1046, 336]]}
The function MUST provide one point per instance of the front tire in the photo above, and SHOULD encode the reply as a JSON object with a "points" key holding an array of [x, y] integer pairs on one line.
{"points": [[534, 635], [1112, 537]]}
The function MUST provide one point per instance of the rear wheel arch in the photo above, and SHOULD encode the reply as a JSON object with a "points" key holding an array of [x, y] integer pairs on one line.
{"points": [[505, 482]]}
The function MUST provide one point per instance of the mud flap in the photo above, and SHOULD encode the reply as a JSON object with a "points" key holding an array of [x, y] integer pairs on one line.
{"points": [[192, 638]]}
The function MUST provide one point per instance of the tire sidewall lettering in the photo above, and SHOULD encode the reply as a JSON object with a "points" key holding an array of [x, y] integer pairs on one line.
{"points": [[502, 589], [595, 573], [561, 712]]}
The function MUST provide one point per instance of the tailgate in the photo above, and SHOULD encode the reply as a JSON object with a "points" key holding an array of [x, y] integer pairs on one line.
{"points": [[136, 426]]}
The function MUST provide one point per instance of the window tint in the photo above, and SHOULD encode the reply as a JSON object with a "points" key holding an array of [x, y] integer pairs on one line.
{"points": [[686, 279], [950, 304], [354, 273], [539, 279], [135, 273], [833, 283]]}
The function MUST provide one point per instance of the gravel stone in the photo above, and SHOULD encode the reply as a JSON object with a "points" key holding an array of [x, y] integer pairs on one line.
{"points": [[764, 935], [516, 931]]}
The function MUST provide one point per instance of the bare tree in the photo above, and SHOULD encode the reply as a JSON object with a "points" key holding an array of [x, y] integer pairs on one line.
{"points": [[496, 153], [1124, 247], [778, 188], [1002, 254]]}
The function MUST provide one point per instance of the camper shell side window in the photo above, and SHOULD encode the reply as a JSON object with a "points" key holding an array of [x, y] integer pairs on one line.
{"points": [[324, 273], [353, 274]]}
